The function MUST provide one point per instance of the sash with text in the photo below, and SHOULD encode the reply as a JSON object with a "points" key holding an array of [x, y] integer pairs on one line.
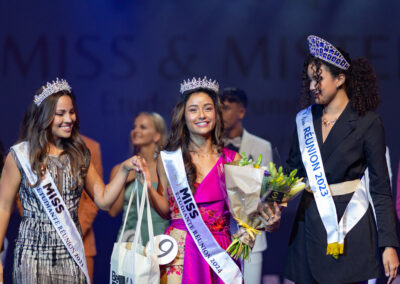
{"points": [[217, 258], [312, 160], [55, 208]]}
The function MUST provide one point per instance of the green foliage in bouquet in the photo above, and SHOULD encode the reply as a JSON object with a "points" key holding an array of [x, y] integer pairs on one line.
{"points": [[237, 249], [276, 186], [244, 161], [243, 241], [244, 238], [277, 181]]}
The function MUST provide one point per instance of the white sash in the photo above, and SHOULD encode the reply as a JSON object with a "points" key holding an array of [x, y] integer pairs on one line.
{"points": [[55, 208], [313, 164], [217, 258]]}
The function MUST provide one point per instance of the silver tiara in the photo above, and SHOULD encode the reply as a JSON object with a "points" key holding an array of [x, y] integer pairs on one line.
{"points": [[52, 88], [327, 52], [194, 84]]}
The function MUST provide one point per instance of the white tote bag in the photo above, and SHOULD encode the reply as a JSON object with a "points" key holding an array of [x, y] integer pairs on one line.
{"points": [[130, 263]]}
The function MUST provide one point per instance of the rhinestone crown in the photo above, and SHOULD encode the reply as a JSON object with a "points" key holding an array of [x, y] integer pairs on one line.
{"points": [[327, 52], [194, 84], [52, 88]]}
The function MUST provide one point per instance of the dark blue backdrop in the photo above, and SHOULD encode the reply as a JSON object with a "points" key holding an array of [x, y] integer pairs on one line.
{"points": [[122, 57]]}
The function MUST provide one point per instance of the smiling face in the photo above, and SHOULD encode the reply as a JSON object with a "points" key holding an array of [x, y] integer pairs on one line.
{"points": [[143, 131], [200, 114], [64, 118], [326, 89]]}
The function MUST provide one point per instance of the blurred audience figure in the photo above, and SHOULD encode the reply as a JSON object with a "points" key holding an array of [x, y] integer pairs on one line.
{"points": [[234, 104], [148, 136]]}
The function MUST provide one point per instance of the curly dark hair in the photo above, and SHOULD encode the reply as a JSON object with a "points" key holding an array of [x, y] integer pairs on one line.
{"points": [[361, 86], [180, 137]]}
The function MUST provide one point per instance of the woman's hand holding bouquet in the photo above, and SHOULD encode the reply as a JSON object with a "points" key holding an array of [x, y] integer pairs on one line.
{"points": [[246, 184]]}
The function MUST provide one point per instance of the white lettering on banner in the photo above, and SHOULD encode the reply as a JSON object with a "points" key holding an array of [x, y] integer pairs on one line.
{"points": [[216, 257], [313, 157], [51, 200], [312, 161]]}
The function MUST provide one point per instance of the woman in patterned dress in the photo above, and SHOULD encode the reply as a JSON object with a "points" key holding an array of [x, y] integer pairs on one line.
{"points": [[197, 129], [51, 133]]}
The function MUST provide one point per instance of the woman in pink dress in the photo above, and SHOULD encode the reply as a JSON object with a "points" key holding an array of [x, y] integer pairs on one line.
{"points": [[197, 129]]}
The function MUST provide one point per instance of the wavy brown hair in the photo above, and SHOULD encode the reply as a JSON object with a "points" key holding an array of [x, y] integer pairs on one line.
{"points": [[180, 136], [36, 129], [360, 85]]}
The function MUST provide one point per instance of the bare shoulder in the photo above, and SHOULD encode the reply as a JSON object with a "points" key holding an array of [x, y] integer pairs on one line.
{"points": [[160, 167], [10, 165]]}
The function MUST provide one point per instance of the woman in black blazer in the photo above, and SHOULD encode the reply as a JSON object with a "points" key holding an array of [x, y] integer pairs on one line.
{"points": [[351, 138]]}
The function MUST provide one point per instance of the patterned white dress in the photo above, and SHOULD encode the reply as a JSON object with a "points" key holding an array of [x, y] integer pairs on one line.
{"points": [[40, 255]]}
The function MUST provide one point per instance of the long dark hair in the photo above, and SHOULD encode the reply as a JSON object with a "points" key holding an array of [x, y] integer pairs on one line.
{"points": [[360, 85], [180, 136], [36, 129]]}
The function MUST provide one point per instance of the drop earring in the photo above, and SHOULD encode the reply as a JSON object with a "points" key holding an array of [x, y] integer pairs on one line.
{"points": [[155, 155]]}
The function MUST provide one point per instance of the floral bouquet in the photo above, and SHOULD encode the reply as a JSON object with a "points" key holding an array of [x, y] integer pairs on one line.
{"points": [[246, 182], [279, 187]]}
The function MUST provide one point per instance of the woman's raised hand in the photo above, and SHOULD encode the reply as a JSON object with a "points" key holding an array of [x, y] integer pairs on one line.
{"points": [[145, 171], [132, 164], [139, 164]]}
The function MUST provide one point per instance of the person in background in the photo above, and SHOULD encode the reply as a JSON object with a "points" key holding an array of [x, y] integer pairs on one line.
{"points": [[148, 136], [87, 210], [234, 105]]}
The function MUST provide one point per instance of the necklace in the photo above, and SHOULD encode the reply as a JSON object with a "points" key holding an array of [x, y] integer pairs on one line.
{"points": [[327, 123]]}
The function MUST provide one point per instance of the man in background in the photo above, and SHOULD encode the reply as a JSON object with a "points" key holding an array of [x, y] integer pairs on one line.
{"points": [[87, 210], [234, 104]]}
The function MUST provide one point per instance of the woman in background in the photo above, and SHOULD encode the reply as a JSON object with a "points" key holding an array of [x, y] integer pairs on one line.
{"points": [[148, 135]]}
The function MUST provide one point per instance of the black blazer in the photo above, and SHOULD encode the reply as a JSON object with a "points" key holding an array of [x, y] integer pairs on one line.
{"points": [[354, 143]]}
